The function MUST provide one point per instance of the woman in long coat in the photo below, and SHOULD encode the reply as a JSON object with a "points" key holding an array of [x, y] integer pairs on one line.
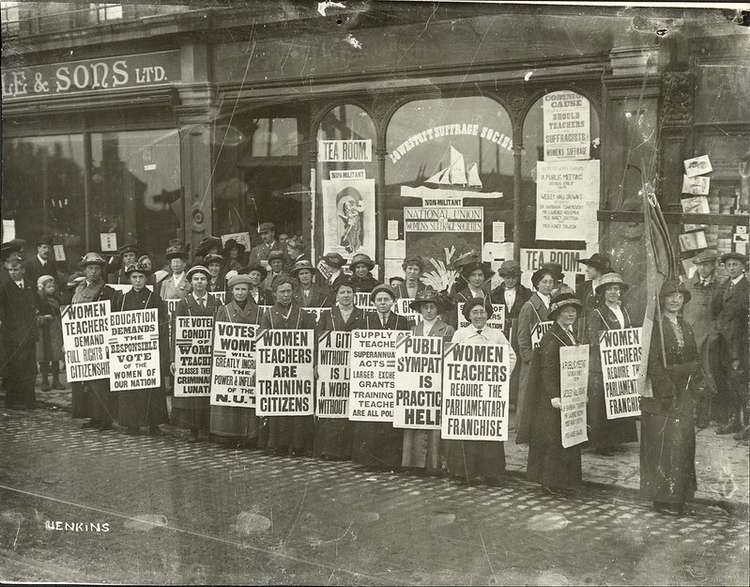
{"points": [[92, 399], [193, 413], [333, 436], [512, 295], [667, 419], [143, 407], [533, 312], [482, 461], [558, 469], [421, 450], [609, 314], [378, 445], [287, 435], [228, 424]]}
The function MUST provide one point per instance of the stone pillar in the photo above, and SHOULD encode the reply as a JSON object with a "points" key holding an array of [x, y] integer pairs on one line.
{"points": [[195, 115]]}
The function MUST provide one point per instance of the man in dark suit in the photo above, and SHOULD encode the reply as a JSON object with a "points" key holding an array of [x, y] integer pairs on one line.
{"points": [[729, 308], [43, 263], [260, 253], [18, 328]]}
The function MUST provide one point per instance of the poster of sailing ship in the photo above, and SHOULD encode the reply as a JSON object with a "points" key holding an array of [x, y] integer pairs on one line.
{"points": [[443, 218]]}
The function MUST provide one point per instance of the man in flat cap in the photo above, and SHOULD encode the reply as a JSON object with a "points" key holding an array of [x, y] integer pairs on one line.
{"points": [[128, 255], [702, 287], [729, 307], [259, 253]]}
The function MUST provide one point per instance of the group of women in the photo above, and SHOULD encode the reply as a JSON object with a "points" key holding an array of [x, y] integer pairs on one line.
{"points": [[667, 453]]}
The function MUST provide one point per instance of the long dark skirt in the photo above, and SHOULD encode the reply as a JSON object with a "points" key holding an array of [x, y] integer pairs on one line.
{"points": [[192, 413], [422, 450], [667, 458], [474, 459], [143, 407], [19, 379], [554, 466], [606, 433], [333, 439], [79, 401], [240, 424], [283, 435], [102, 403], [377, 445]]}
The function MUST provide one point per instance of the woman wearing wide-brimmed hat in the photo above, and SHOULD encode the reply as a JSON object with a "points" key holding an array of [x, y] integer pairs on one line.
{"points": [[193, 413], [143, 407], [215, 265], [477, 460], [259, 294], [362, 279], [378, 445], [609, 314], [667, 419], [234, 255], [333, 436], [556, 468], [533, 312], [229, 424], [92, 399], [421, 448]]}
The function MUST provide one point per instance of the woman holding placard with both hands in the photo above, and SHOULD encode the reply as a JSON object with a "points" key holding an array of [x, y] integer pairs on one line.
{"points": [[333, 436], [287, 435], [378, 445], [143, 407], [228, 424], [609, 314], [421, 449], [558, 469], [193, 413], [477, 460]]}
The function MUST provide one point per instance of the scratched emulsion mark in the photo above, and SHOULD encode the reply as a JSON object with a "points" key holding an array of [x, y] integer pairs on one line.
{"points": [[146, 522], [13, 521], [547, 522], [248, 523]]}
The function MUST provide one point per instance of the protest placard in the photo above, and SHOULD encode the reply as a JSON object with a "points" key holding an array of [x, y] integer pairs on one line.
{"points": [[233, 369], [362, 301], [242, 238], [496, 321], [567, 199], [333, 375], [419, 384], [567, 126], [192, 356], [620, 351], [134, 359], [85, 339], [372, 361], [317, 312], [285, 361], [574, 379], [538, 332], [402, 308], [475, 392]]}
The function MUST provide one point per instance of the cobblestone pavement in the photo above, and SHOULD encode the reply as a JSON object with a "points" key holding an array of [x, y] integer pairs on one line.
{"points": [[185, 513], [722, 464]]}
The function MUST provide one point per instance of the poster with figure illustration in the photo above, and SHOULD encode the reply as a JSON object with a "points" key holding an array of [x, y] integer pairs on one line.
{"points": [[349, 216]]}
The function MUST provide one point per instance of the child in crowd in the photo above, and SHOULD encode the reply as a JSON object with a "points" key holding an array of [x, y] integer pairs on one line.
{"points": [[49, 344]]}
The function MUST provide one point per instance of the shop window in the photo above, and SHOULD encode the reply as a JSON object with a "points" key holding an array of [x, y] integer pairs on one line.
{"points": [[135, 188], [258, 174], [105, 12], [346, 173], [43, 190], [442, 152], [9, 15], [572, 133]]}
